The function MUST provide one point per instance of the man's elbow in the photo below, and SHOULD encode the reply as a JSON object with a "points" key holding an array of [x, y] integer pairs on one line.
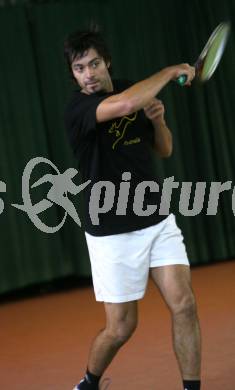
{"points": [[129, 103], [166, 152], [127, 106], [115, 106]]}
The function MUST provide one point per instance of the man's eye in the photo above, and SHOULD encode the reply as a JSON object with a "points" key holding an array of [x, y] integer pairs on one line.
{"points": [[95, 64], [78, 69]]}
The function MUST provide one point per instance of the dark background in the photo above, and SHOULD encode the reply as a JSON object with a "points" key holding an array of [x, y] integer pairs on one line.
{"points": [[144, 36]]}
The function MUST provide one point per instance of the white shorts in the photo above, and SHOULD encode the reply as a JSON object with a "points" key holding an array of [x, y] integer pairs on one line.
{"points": [[120, 263]]}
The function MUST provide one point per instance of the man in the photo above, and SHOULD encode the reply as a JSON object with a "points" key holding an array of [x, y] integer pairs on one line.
{"points": [[114, 128]]}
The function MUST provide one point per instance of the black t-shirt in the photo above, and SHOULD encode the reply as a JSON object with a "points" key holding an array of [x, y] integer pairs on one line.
{"points": [[105, 151]]}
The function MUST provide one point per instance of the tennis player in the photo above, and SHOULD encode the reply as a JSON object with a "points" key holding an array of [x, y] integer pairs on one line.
{"points": [[116, 128]]}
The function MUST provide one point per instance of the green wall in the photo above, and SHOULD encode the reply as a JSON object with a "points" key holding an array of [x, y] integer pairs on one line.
{"points": [[144, 36]]}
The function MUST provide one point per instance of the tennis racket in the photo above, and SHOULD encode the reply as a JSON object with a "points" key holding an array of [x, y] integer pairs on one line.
{"points": [[210, 56]]}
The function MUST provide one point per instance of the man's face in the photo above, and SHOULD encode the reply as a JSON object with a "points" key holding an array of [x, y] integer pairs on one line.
{"points": [[91, 72]]}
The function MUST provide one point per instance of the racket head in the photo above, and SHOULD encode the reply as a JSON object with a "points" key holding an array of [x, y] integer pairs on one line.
{"points": [[211, 54]]}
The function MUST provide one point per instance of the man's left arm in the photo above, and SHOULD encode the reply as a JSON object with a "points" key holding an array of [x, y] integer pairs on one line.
{"points": [[163, 143]]}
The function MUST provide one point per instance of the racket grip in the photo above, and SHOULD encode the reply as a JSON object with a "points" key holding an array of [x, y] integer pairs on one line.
{"points": [[181, 80]]}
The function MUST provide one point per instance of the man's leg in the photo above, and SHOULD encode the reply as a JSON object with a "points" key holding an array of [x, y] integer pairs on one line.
{"points": [[121, 321], [174, 283]]}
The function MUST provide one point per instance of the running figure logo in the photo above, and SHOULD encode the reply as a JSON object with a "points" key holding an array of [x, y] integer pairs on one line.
{"points": [[61, 185]]}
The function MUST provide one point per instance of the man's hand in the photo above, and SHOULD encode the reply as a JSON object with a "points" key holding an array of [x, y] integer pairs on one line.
{"points": [[183, 69], [155, 110]]}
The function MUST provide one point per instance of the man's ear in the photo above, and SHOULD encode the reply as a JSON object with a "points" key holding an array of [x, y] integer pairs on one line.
{"points": [[108, 64]]}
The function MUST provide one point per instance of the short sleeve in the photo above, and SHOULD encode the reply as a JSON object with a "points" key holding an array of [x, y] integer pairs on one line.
{"points": [[80, 117]]}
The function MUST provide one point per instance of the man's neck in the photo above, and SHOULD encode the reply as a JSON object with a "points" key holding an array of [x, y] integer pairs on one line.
{"points": [[109, 85]]}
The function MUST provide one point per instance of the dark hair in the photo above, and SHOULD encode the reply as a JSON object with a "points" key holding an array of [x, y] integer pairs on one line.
{"points": [[77, 43]]}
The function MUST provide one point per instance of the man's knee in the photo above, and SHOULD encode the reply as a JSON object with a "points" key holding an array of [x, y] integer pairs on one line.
{"points": [[121, 331], [121, 322], [184, 304]]}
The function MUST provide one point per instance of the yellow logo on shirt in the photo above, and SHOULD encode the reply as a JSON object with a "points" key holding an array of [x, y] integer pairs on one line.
{"points": [[132, 141], [119, 129]]}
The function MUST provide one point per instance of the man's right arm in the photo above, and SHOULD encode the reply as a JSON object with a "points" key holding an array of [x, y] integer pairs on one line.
{"points": [[138, 95]]}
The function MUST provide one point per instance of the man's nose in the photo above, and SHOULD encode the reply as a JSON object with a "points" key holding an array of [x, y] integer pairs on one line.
{"points": [[89, 72]]}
